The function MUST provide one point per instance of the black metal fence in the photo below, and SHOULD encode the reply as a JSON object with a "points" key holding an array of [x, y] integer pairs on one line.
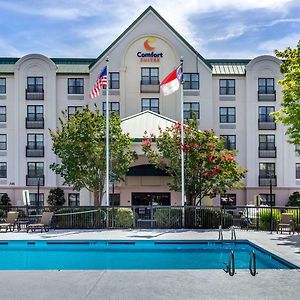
{"points": [[176, 217]]}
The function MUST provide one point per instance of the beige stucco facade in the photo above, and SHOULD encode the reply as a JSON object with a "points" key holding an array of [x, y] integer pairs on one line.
{"points": [[126, 57]]}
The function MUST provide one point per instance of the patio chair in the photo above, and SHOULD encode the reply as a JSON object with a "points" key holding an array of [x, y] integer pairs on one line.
{"points": [[10, 222], [286, 223], [44, 223]]}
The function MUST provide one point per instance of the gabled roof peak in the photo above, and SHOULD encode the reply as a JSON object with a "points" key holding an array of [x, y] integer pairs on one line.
{"points": [[150, 8]]}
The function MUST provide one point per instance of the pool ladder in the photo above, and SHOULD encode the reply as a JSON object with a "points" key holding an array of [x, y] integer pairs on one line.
{"points": [[220, 233], [233, 234], [230, 267], [252, 263]]}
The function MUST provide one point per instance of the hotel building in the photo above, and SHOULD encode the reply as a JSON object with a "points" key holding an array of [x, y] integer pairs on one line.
{"points": [[231, 96]]}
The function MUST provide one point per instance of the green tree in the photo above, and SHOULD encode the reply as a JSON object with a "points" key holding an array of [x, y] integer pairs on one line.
{"points": [[289, 114], [80, 145], [210, 169], [56, 197], [5, 200]]}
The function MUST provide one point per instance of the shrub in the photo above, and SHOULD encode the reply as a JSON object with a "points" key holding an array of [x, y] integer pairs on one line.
{"points": [[227, 220], [5, 200], [294, 199], [205, 218], [95, 219], [265, 218], [123, 217], [56, 197], [168, 218]]}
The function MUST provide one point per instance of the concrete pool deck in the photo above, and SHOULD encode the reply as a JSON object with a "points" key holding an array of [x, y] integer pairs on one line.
{"points": [[161, 284]]}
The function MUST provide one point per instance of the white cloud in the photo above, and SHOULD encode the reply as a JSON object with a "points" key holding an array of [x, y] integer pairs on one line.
{"points": [[115, 16], [9, 50], [280, 44], [230, 32]]}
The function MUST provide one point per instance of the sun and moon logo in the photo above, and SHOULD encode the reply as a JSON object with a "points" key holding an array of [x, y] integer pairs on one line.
{"points": [[149, 55], [148, 42]]}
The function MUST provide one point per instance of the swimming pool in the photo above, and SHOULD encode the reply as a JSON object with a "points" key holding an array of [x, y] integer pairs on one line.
{"points": [[132, 255]]}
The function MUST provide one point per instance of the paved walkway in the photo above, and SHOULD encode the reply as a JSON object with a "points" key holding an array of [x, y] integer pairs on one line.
{"points": [[177, 284]]}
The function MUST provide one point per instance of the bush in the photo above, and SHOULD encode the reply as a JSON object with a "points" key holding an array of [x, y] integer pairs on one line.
{"points": [[2, 213], [294, 199], [227, 220], [5, 200], [168, 218], [56, 197], [205, 218], [123, 217], [265, 218], [87, 220]]}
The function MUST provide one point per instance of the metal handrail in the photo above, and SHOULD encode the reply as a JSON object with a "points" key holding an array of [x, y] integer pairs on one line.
{"points": [[220, 233], [233, 235], [252, 263], [230, 267]]}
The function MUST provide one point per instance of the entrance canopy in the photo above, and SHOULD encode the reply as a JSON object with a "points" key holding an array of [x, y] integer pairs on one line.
{"points": [[148, 121]]}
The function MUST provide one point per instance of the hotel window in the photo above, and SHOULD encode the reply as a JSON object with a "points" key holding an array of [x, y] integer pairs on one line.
{"points": [[35, 141], [35, 84], [191, 81], [297, 148], [35, 112], [297, 171], [72, 110], [150, 76], [114, 108], [150, 104], [35, 169], [2, 113], [3, 170], [75, 85], [191, 110], [227, 86], [36, 199], [74, 199], [266, 86], [265, 199], [114, 199], [227, 114], [229, 141], [264, 114], [228, 199], [3, 142], [267, 142], [2, 85], [114, 80], [267, 170]]}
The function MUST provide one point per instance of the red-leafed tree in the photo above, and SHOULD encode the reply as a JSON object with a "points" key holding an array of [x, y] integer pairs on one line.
{"points": [[209, 168]]}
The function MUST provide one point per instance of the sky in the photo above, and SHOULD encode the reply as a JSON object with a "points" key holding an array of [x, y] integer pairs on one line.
{"points": [[84, 28]]}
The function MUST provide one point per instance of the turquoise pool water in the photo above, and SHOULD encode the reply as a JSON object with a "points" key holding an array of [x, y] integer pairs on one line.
{"points": [[132, 255]]}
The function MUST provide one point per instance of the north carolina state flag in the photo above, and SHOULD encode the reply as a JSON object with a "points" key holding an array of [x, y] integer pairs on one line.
{"points": [[172, 82]]}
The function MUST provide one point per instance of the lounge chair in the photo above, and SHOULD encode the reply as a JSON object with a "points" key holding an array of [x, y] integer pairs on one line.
{"points": [[44, 224], [286, 223], [11, 219]]}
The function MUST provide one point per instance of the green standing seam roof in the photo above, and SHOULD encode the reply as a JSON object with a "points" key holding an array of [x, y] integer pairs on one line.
{"points": [[150, 8], [229, 66]]}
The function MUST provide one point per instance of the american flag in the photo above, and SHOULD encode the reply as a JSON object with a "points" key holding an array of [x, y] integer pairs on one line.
{"points": [[101, 81]]}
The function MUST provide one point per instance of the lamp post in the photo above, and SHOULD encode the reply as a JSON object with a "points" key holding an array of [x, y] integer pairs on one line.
{"points": [[38, 192], [271, 202]]}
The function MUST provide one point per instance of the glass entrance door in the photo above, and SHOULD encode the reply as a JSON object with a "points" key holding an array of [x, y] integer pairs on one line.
{"points": [[150, 199]]}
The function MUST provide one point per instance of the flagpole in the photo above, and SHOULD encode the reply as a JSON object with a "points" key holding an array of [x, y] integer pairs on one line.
{"points": [[182, 144], [107, 134]]}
